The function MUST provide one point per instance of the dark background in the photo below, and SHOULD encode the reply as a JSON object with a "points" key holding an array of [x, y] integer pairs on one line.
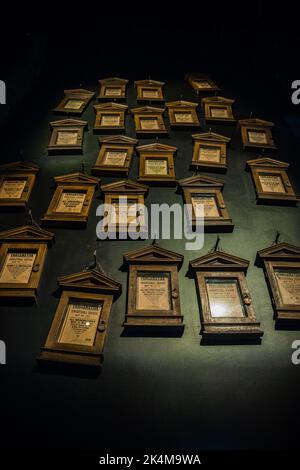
{"points": [[167, 393]]}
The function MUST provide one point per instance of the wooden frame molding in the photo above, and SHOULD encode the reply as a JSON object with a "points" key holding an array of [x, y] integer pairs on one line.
{"points": [[71, 202], [183, 114], [271, 182], [210, 152], [153, 289], [66, 136], [110, 117], [78, 331], [205, 191], [227, 314], [256, 134], [149, 91], [281, 264], [156, 164], [112, 88], [74, 102], [149, 121], [115, 155], [218, 109], [17, 180], [22, 257]]}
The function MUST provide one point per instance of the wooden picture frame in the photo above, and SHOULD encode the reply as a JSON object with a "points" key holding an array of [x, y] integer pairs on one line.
{"points": [[71, 202], [66, 136], [149, 121], [17, 180], [210, 152], [112, 88], [205, 191], [257, 134], [281, 264], [75, 101], [202, 83], [110, 117], [132, 195], [86, 298], [218, 109], [149, 91], [227, 314], [115, 155], [156, 164], [22, 258], [183, 114], [271, 182], [153, 300]]}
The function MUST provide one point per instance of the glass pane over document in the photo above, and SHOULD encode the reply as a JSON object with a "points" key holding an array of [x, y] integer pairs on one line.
{"points": [[288, 281], [224, 298], [17, 267], [153, 290]]}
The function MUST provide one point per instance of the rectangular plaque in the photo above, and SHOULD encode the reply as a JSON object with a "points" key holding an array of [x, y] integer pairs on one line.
{"points": [[271, 183], [210, 154], [110, 120], [113, 91], [67, 137], [74, 104], [71, 202], [288, 281], [114, 157], [219, 112], [224, 298], [209, 204], [149, 124], [125, 210], [183, 117], [12, 189], [156, 166], [257, 137], [153, 291], [202, 84], [80, 323], [17, 268], [149, 93]]}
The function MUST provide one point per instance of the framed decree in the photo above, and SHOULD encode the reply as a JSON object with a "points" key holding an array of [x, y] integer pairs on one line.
{"points": [[157, 164], [78, 331], [16, 183], [204, 194], [153, 289], [202, 83], [218, 109], [66, 136], [112, 88], [149, 91], [256, 134], [110, 117], [227, 314], [183, 114], [74, 102], [71, 201], [281, 264], [271, 182], [115, 155], [125, 206], [210, 152], [22, 257], [149, 121]]}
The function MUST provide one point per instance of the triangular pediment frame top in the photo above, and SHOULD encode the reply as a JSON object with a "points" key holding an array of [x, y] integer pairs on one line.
{"points": [[149, 82], [77, 178], [19, 167], [156, 147], [118, 139], [219, 261], [267, 162], [217, 100], [201, 181], [181, 104], [124, 186], [280, 251], [68, 123], [113, 81], [147, 109], [111, 106], [26, 233], [255, 122], [90, 280], [80, 93], [211, 137], [153, 254]]}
